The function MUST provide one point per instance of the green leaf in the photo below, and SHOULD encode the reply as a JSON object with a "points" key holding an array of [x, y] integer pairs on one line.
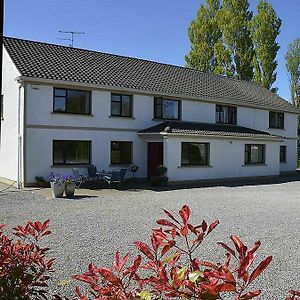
{"points": [[181, 272], [194, 276], [145, 295]]}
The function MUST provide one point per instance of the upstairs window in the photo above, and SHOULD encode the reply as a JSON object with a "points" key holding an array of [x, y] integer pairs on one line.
{"points": [[167, 109], [121, 105], [67, 152], [72, 101], [276, 120], [226, 114], [120, 153], [194, 154], [254, 154], [282, 154]]}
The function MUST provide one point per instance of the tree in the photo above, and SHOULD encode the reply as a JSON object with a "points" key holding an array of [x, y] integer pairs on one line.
{"points": [[265, 27], [203, 34], [293, 67], [233, 19]]}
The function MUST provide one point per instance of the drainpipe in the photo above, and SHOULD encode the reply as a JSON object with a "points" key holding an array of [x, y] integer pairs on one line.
{"points": [[19, 176]]}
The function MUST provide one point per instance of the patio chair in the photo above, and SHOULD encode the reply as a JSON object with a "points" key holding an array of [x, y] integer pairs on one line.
{"points": [[93, 174], [115, 176], [79, 178]]}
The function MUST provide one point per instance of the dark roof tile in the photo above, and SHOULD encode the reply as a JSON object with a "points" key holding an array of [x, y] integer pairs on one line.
{"points": [[48, 61], [209, 129]]}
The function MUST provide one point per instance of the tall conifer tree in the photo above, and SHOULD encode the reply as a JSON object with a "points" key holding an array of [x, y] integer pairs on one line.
{"points": [[293, 68], [265, 27]]}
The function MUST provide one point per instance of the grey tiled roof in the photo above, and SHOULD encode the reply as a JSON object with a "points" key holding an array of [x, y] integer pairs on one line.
{"points": [[48, 61], [208, 129]]}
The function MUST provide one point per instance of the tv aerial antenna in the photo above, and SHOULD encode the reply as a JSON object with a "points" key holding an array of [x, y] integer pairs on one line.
{"points": [[71, 38]]}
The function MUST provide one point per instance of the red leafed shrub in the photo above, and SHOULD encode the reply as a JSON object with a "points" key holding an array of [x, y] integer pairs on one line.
{"points": [[170, 269], [24, 269]]}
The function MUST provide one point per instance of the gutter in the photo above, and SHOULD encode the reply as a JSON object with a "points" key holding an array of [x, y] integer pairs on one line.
{"points": [[149, 93], [165, 134]]}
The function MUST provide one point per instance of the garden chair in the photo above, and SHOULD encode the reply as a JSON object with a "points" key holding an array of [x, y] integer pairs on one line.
{"points": [[93, 174], [115, 176], [79, 178]]}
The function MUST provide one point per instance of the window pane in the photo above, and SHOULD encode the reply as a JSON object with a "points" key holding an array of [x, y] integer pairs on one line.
{"points": [[60, 92], [121, 152], [116, 98], [115, 108], [59, 104], [225, 114], [157, 108], [58, 152], [194, 153], [78, 102], [115, 156], [198, 154], [185, 156], [77, 152], [170, 109], [254, 154], [126, 109], [282, 153]]}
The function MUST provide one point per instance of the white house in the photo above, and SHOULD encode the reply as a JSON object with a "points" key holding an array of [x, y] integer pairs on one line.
{"points": [[66, 107]]}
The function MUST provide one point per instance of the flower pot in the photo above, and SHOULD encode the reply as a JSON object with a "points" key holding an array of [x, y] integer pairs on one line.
{"points": [[70, 190], [58, 189]]}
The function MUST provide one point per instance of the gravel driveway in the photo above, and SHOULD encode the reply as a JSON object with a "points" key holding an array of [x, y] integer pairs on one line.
{"points": [[91, 229]]}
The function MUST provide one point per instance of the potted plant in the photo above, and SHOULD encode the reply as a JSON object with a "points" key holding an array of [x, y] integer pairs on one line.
{"points": [[160, 179], [70, 185], [57, 185], [133, 169]]}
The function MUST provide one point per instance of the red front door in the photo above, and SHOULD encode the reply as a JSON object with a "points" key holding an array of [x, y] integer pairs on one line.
{"points": [[155, 157]]}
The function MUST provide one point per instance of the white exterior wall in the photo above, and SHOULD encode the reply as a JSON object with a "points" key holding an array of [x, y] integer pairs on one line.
{"points": [[39, 150], [226, 159], [196, 111], [259, 119], [9, 124]]}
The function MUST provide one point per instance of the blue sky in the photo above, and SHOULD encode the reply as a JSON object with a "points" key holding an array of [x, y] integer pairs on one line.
{"points": [[149, 29]]}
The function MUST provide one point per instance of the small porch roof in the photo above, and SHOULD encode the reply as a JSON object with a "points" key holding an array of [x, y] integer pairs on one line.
{"points": [[207, 129]]}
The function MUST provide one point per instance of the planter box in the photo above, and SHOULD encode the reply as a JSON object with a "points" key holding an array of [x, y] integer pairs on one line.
{"points": [[70, 190], [57, 189]]}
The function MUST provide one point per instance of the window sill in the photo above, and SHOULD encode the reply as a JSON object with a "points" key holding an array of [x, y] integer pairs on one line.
{"points": [[195, 166], [121, 117], [254, 165], [71, 166], [71, 114], [283, 162], [223, 123], [119, 165], [276, 128]]}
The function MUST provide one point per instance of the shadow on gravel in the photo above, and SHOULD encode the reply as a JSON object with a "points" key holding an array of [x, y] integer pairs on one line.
{"points": [[140, 186]]}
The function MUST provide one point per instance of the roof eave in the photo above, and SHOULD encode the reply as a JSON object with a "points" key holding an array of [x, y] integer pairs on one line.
{"points": [[169, 134]]}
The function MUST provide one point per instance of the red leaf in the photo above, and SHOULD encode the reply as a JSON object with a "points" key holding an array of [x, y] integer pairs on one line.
{"points": [[184, 230], [107, 274], [231, 251], [250, 295], [255, 247], [80, 295], [245, 265], [145, 249], [226, 287], [185, 213], [204, 225], [117, 261], [170, 216], [165, 222], [240, 247], [261, 267], [212, 226], [167, 247]]}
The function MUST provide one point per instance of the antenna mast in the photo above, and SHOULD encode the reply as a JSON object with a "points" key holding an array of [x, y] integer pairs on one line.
{"points": [[71, 39]]}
